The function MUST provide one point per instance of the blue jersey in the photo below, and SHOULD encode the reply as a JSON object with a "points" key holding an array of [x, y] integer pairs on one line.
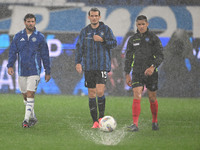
{"points": [[95, 55], [30, 51]]}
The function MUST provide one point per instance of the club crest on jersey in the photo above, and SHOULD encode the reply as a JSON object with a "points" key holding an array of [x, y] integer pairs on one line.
{"points": [[147, 39], [34, 39], [102, 33]]}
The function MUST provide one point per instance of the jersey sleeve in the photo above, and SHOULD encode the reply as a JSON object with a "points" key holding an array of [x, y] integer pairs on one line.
{"points": [[109, 39], [79, 48], [12, 56], [45, 57], [158, 52], [129, 57]]}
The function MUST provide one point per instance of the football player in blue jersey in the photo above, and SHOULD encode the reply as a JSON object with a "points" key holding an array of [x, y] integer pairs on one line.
{"points": [[93, 56], [30, 47]]}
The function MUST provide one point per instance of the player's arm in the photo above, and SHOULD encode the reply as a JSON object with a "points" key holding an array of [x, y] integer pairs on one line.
{"points": [[97, 38], [129, 56], [79, 68], [79, 52], [45, 59], [12, 56], [149, 71], [157, 57], [10, 71], [129, 61], [158, 53], [109, 39], [47, 77]]}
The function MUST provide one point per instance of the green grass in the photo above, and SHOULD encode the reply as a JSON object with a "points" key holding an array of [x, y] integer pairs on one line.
{"points": [[64, 123]]}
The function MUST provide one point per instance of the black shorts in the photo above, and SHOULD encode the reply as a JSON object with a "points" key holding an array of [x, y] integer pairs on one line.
{"points": [[151, 82], [95, 77]]}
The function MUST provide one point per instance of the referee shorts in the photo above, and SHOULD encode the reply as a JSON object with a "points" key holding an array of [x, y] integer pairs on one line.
{"points": [[151, 82], [95, 77]]}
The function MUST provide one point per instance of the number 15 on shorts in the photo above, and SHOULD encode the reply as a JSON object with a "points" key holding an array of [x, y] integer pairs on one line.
{"points": [[104, 74]]}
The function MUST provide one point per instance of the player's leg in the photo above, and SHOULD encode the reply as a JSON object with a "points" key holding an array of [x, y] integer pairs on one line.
{"points": [[32, 83], [91, 85], [33, 116], [30, 113], [101, 78], [25, 98], [137, 85], [23, 88], [137, 92], [93, 106], [29, 105], [101, 99], [152, 86], [154, 108]]}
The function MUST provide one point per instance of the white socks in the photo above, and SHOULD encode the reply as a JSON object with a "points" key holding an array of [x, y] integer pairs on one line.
{"points": [[29, 111], [25, 102], [32, 113]]}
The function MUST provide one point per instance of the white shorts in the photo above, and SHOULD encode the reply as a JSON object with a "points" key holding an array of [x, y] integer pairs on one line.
{"points": [[29, 83]]}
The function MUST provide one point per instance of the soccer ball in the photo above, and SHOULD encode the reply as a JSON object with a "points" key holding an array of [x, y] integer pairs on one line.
{"points": [[107, 124]]}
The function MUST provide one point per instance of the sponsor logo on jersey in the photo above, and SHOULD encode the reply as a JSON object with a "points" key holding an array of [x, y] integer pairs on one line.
{"points": [[22, 39], [136, 44]]}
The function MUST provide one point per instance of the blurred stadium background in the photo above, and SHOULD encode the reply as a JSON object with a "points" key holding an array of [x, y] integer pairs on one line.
{"points": [[176, 22]]}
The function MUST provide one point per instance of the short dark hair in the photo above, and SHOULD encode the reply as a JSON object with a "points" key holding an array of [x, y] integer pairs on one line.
{"points": [[29, 16], [94, 9], [142, 17]]}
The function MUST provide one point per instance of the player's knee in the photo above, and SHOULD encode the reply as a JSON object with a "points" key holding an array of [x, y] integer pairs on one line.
{"points": [[30, 94], [100, 93], [137, 95], [91, 93], [152, 98], [24, 96]]}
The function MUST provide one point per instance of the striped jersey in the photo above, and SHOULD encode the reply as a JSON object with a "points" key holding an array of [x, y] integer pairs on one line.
{"points": [[95, 55]]}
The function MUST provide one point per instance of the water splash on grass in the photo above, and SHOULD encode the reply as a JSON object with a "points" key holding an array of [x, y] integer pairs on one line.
{"points": [[99, 137], [105, 138]]}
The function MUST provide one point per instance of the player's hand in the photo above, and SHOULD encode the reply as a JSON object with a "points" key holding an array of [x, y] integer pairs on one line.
{"points": [[79, 68], [149, 71], [10, 71], [128, 80], [47, 78], [97, 38]]}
